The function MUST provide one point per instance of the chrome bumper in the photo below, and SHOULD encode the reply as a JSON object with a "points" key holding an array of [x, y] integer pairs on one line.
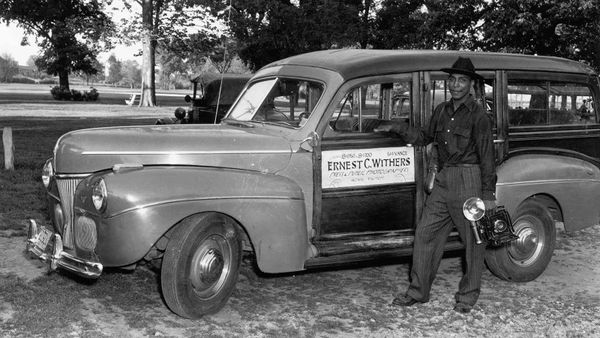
{"points": [[57, 258]]}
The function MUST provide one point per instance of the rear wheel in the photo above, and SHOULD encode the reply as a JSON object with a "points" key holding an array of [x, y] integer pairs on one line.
{"points": [[524, 259], [200, 266]]}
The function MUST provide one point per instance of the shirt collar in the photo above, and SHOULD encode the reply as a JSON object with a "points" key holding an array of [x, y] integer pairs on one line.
{"points": [[469, 103]]}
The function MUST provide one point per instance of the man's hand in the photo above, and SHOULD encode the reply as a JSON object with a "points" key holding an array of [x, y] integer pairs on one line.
{"points": [[490, 205]]}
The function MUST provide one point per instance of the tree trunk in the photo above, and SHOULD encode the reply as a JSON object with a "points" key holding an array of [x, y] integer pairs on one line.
{"points": [[364, 29], [63, 79], [148, 98]]}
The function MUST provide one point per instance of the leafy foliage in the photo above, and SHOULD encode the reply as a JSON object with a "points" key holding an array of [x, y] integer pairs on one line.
{"points": [[8, 68], [114, 70], [60, 93], [272, 29], [568, 29], [66, 30], [131, 71], [166, 25]]}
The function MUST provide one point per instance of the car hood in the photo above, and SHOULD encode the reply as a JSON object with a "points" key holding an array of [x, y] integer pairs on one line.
{"points": [[90, 150]]}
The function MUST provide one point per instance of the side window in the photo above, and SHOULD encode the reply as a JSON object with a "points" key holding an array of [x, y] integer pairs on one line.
{"points": [[364, 107], [534, 103]]}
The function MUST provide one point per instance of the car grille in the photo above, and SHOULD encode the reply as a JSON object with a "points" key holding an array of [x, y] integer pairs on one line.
{"points": [[85, 236], [66, 190]]}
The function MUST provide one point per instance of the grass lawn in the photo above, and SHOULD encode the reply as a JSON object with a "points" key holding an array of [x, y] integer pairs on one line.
{"points": [[22, 195]]}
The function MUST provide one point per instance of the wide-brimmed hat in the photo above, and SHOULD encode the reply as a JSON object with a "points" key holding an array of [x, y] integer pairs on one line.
{"points": [[463, 66]]}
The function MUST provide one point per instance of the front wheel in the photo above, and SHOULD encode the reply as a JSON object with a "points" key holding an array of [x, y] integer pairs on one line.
{"points": [[200, 266], [525, 258]]}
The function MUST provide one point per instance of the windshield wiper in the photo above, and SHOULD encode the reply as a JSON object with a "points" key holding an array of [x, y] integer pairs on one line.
{"points": [[247, 124]]}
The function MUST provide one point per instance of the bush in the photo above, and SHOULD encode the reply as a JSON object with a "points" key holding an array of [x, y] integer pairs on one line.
{"points": [[21, 80], [47, 81], [76, 95], [63, 94], [91, 95], [59, 93]]}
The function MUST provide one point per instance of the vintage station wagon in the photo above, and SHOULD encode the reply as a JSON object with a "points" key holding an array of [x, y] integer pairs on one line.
{"points": [[296, 175]]}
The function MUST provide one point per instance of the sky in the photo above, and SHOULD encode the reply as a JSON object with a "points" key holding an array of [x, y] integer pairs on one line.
{"points": [[10, 44]]}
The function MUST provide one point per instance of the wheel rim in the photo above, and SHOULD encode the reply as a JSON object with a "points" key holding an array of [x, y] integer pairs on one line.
{"points": [[529, 246], [210, 266]]}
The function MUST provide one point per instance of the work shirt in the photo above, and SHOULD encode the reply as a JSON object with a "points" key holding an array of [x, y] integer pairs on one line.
{"points": [[463, 137]]}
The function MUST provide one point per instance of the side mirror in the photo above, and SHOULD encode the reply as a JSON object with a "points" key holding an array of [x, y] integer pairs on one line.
{"points": [[188, 98]]}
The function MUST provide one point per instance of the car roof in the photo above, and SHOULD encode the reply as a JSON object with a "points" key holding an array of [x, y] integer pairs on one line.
{"points": [[353, 63]]}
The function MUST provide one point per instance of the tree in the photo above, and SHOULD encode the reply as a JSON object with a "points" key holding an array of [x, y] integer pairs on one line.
{"points": [[273, 29], [162, 23], [31, 61], [566, 28], [439, 24], [114, 70], [8, 68], [68, 32], [91, 78], [131, 73]]}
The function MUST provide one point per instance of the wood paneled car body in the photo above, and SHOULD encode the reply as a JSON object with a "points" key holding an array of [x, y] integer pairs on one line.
{"points": [[296, 176]]}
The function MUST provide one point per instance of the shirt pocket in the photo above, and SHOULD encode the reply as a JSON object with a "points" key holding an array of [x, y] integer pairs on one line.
{"points": [[440, 134], [461, 138]]}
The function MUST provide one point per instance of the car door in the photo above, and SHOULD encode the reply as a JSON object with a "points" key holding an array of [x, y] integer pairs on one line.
{"points": [[366, 181]]}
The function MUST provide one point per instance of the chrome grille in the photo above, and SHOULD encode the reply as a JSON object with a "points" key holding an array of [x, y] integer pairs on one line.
{"points": [[85, 236], [66, 190]]}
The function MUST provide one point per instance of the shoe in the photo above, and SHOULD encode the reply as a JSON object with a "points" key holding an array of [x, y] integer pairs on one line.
{"points": [[463, 307], [404, 300]]}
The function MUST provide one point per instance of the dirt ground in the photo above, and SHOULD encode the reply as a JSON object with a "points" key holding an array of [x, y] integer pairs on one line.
{"points": [[563, 302]]}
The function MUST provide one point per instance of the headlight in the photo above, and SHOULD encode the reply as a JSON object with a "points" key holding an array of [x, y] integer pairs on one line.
{"points": [[474, 209], [99, 195], [47, 173]]}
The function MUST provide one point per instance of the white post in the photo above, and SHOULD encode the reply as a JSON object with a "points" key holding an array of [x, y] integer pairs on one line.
{"points": [[9, 149]]}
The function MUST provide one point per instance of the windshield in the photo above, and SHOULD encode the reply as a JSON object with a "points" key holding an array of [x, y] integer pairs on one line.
{"points": [[288, 102]]}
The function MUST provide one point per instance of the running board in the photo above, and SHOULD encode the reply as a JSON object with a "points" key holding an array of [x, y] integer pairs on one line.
{"points": [[355, 250]]}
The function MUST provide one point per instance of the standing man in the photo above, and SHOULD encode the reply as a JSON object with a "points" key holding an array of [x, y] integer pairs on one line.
{"points": [[463, 132]]}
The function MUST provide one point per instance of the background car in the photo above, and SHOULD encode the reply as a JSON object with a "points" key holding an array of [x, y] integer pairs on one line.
{"points": [[211, 92]]}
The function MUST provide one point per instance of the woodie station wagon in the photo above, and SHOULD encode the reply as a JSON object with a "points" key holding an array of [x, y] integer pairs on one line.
{"points": [[296, 176]]}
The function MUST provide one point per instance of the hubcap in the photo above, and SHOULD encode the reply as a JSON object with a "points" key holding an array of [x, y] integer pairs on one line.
{"points": [[530, 244], [210, 266]]}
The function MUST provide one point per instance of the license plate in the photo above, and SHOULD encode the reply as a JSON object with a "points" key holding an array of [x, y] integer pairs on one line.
{"points": [[43, 238]]}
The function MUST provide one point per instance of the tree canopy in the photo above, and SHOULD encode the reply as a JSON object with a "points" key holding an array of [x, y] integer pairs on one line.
{"points": [[186, 36], [268, 30], [68, 32], [568, 29]]}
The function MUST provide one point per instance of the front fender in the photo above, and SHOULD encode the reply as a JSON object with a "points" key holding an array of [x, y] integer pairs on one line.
{"points": [[571, 180], [144, 204]]}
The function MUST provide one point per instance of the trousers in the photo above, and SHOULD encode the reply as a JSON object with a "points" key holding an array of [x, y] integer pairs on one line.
{"points": [[443, 211]]}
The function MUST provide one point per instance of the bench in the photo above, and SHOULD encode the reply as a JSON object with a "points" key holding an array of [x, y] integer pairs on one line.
{"points": [[132, 99]]}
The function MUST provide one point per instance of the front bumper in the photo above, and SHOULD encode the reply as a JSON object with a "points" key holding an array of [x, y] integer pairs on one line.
{"points": [[48, 246]]}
